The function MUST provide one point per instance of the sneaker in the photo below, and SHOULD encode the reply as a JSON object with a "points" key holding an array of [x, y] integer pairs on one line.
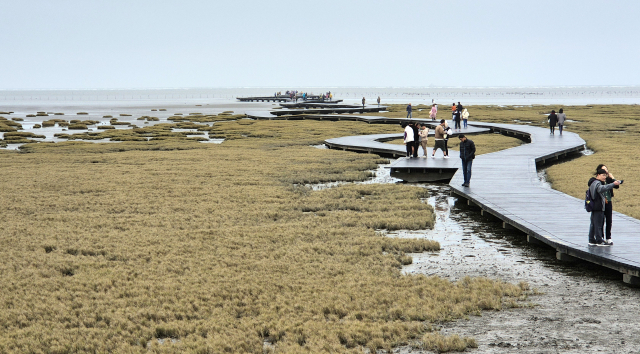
{"points": [[603, 244], [446, 157], [609, 241], [592, 243]]}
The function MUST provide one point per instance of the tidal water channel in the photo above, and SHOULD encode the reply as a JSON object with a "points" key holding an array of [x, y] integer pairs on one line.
{"points": [[581, 307]]}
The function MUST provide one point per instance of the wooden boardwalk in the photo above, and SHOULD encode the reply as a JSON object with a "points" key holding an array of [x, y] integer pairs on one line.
{"points": [[505, 184]]}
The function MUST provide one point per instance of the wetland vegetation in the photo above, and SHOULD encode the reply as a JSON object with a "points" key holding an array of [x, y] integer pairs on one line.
{"points": [[174, 246]]}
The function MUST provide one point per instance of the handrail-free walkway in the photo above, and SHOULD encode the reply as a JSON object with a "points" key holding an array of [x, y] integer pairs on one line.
{"points": [[505, 184]]}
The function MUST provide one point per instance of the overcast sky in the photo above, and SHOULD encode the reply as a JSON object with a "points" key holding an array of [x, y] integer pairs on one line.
{"points": [[236, 43]]}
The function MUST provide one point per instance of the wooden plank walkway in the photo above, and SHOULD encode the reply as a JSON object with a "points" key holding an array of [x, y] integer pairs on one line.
{"points": [[265, 99], [505, 184]]}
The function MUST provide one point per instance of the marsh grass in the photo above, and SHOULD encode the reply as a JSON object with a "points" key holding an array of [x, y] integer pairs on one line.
{"points": [[16, 119], [205, 118], [7, 125], [107, 248]]}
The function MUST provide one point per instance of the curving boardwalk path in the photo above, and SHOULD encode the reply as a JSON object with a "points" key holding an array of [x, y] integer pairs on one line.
{"points": [[505, 184]]}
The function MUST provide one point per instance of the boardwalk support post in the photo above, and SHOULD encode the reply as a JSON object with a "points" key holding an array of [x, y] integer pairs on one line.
{"points": [[630, 279], [534, 241], [561, 256], [507, 226]]}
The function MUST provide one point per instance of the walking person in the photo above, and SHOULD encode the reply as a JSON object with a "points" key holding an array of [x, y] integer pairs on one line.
{"points": [[378, 101], [553, 120], [408, 139], [439, 138], [608, 204], [467, 154], [424, 138], [434, 112], [363, 101], [465, 117], [597, 190], [561, 118], [409, 111], [447, 135]]}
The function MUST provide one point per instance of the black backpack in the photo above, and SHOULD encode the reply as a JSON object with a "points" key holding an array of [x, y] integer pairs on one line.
{"points": [[590, 202]]}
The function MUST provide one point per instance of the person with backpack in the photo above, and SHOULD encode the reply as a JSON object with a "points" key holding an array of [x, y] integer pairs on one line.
{"points": [[595, 203], [608, 206]]}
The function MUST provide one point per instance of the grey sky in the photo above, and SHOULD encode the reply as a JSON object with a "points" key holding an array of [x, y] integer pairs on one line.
{"points": [[188, 43]]}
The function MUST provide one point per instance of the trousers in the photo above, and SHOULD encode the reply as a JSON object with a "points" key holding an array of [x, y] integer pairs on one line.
{"points": [[595, 227]]}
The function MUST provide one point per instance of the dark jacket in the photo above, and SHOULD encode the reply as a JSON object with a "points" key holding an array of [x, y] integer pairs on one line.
{"points": [[553, 119], [415, 133], [467, 150], [597, 191], [409, 108], [610, 180]]}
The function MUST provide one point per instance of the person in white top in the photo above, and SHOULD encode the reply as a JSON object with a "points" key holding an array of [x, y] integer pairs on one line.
{"points": [[408, 139]]}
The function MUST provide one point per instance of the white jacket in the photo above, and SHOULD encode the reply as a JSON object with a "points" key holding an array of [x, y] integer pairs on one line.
{"points": [[408, 134], [465, 114]]}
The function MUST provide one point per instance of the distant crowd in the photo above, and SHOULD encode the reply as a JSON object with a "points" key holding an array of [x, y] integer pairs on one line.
{"points": [[294, 95]]}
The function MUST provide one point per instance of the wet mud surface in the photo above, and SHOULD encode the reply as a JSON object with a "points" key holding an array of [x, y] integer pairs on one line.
{"points": [[582, 308]]}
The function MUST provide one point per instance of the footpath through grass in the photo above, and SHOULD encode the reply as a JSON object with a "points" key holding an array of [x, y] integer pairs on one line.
{"points": [[213, 248]]}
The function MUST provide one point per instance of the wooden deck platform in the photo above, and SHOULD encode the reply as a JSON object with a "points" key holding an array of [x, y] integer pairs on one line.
{"points": [[329, 109], [505, 184], [265, 99]]}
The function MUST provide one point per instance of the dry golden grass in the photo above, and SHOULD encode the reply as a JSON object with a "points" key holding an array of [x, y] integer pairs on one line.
{"points": [[107, 247]]}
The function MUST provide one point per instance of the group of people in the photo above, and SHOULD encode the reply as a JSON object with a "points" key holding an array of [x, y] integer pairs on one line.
{"points": [[294, 95], [601, 189], [416, 136], [432, 113], [459, 113], [556, 119]]}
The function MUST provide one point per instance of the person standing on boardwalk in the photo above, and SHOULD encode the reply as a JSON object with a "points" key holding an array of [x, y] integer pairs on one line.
{"points": [[416, 138], [409, 111], [447, 135], [434, 112], [467, 154], [608, 204], [378, 101], [553, 120], [465, 117], [439, 138], [453, 112], [408, 139], [561, 118], [363, 101], [597, 190], [424, 138]]}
